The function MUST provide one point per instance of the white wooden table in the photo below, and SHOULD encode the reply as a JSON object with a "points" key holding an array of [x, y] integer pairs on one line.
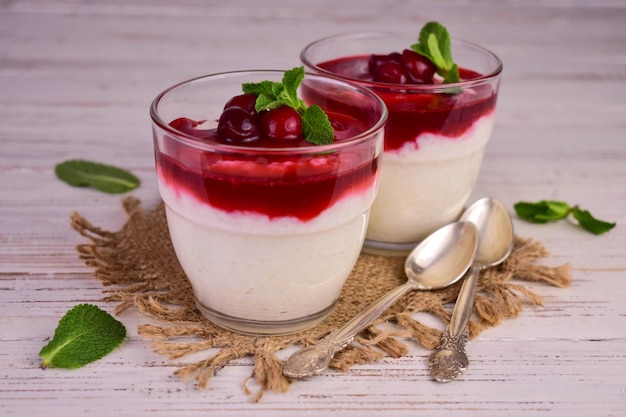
{"points": [[76, 79]]}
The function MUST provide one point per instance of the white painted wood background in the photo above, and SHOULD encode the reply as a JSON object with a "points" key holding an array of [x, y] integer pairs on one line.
{"points": [[76, 79]]}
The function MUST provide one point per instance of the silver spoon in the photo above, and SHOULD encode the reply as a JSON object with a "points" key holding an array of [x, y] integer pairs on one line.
{"points": [[438, 261], [495, 242]]}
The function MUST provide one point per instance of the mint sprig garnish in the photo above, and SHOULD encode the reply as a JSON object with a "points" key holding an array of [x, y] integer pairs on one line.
{"points": [[272, 95], [545, 211], [84, 334], [434, 43], [105, 178]]}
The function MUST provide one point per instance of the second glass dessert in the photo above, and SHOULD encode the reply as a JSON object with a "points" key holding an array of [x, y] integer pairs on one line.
{"points": [[435, 135]]}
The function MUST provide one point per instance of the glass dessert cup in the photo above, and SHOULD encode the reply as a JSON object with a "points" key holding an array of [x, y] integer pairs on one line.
{"points": [[435, 136], [266, 235]]}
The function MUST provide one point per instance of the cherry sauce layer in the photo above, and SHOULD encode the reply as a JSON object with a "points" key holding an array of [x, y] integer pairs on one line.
{"points": [[414, 111], [267, 181]]}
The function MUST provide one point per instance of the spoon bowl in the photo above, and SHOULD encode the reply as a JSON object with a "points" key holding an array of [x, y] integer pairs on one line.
{"points": [[495, 243], [495, 231], [438, 261], [442, 258]]}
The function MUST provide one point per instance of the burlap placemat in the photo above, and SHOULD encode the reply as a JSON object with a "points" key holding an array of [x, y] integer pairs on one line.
{"points": [[139, 264]]}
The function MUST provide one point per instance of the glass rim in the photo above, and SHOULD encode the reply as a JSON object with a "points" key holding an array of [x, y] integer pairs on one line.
{"points": [[193, 141], [495, 73]]}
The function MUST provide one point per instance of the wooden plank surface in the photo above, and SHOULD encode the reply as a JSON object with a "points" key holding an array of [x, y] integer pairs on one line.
{"points": [[76, 80]]}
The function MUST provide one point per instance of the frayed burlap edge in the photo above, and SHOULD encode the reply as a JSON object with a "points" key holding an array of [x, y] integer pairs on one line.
{"points": [[139, 265]]}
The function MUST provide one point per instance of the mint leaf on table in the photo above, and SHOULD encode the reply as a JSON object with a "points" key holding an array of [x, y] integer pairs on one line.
{"points": [[272, 95], [106, 178], [545, 211], [86, 333], [542, 211], [590, 223], [434, 43]]}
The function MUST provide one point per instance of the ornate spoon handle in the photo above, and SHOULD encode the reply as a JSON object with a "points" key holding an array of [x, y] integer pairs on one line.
{"points": [[449, 359], [315, 359], [459, 322]]}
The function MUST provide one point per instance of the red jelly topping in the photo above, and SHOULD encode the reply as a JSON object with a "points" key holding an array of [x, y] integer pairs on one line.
{"points": [[414, 110], [265, 181]]}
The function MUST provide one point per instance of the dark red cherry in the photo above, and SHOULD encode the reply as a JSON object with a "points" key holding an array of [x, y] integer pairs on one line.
{"points": [[419, 69], [237, 125], [389, 72], [245, 101], [377, 60], [283, 123]]}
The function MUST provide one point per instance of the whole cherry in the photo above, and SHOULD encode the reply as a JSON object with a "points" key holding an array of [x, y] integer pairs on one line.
{"points": [[389, 72], [419, 69], [377, 60], [237, 125], [283, 123], [245, 101]]}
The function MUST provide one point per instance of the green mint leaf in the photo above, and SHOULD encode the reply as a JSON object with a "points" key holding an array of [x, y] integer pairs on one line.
{"points": [[547, 210], [316, 126], [85, 334], [268, 93], [292, 79], [543, 211], [432, 46], [434, 43], [590, 223], [265, 102], [452, 76], [262, 88], [106, 178], [446, 47], [554, 210], [527, 211], [279, 90]]}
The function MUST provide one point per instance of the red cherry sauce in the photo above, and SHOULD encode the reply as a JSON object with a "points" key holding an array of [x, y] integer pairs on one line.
{"points": [[262, 180], [413, 112]]}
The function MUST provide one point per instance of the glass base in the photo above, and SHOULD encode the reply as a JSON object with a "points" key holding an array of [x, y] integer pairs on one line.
{"points": [[375, 247], [264, 328]]}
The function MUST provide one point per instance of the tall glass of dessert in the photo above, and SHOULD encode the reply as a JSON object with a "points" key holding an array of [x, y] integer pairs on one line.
{"points": [[266, 222], [436, 133]]}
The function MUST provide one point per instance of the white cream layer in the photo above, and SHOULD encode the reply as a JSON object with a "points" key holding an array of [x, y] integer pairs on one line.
{"points": [[251, 267], [426, 186]]}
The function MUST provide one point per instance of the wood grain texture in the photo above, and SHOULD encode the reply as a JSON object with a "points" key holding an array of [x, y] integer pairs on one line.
{"points": [[76, 80]]}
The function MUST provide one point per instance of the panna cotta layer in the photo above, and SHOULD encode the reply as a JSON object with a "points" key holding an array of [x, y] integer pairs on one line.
{"points": [[425, 184], [281, 269]]}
